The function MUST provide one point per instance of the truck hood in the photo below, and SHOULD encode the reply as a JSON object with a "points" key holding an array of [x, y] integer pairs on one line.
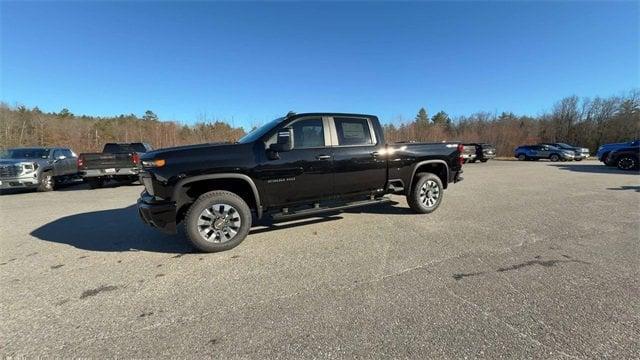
{"points": [[180, 151]]}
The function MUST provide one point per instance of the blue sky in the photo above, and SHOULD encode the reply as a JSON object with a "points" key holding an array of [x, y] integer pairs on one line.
{"points": [[251, 62]]}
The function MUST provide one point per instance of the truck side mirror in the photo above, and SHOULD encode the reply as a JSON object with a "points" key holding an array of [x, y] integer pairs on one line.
{"points": [[284, 141], [61, 157]]}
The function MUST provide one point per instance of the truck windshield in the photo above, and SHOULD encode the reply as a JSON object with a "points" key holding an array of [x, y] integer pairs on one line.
{"points": [[25, 154], [258, 132]]}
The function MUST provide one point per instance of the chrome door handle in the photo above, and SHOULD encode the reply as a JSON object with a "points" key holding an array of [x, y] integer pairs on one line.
{"points": [[323, 157]]}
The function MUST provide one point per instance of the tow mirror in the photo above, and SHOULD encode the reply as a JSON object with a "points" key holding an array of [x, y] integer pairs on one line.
{"points": [[284, 140]]}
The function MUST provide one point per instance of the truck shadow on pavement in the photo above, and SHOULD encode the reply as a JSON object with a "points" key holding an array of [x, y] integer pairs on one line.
{"points": [[110, 230], [118, 230], [595, 168]]}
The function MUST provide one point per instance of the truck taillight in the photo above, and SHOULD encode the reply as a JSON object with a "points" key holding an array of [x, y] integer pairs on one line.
{"points": [[80, 162], [460, 151], [135, 158]]}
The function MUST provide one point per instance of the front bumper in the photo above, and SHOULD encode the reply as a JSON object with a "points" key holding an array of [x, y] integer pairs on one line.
{"points": [[26, 181], [488, 156], [158, 214]]}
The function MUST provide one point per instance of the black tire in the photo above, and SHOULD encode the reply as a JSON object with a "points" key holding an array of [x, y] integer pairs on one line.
{"points": [[95, 183], [627, 162], [47, 182], [522, 157], [425, 187], [580, 159], [206, 201], [554, 157], [472, 161], [484, 160]]}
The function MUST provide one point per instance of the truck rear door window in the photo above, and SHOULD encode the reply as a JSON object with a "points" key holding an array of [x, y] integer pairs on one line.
{"points": [[353, 131]]}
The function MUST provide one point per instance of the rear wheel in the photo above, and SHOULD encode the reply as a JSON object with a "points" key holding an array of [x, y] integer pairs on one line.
{"points": [[627, 162], [522, 157], [218, 221], [554, 157], [483, 160], [427, 193], [47, 182]]}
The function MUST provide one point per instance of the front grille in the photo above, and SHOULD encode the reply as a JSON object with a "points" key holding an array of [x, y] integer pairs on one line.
{"points": [[8, 171]]}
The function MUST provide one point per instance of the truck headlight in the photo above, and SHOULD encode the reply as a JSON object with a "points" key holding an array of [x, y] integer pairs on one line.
{"points": [[28, 168]]}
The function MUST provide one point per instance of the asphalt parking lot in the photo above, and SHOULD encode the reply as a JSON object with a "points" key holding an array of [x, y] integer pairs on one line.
{"points": [[523, 259]]}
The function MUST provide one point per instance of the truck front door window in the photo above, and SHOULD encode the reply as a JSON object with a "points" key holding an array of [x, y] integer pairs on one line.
{"points": [[308, 133]]}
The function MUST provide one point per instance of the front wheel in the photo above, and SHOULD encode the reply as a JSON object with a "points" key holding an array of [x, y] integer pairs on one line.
{"points": [[218, 221], [627, 163], [554, 157], [47, 182], [522, 157], [483, 160], [426, 194]]}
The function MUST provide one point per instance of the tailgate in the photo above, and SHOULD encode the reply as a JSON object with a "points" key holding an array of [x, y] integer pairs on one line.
{"points": [[107, 161]]}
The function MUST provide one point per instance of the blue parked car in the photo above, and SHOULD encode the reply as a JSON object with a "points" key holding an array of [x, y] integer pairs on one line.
{"points": [[606, 149], [537, 152]]}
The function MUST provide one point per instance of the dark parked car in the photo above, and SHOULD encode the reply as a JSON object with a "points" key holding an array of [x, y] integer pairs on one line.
{"points": [[298, 165], [604, 150], [625, 158], [484, 151], [537, 152], [579, 152], [41, 168], [117, 161]]}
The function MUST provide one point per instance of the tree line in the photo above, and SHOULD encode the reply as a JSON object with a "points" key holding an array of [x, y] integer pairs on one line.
{"points": [[587, 122]]}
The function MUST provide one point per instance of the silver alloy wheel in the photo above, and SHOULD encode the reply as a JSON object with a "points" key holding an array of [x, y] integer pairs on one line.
{"points": [[626, 163], [219, 223], [522, 157], [48, 181], [429, 193]]}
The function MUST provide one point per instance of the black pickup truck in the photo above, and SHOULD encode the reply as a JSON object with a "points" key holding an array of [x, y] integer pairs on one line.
{"points": [[117, 161], [294, 166]]}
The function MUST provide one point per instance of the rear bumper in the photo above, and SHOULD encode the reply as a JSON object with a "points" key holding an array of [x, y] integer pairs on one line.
{"points": [[488, 156], [105, 173], [160, 215]]}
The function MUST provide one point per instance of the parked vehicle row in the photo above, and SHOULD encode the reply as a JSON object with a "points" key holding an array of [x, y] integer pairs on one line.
{"points": [[43, 168], [482, 151]]}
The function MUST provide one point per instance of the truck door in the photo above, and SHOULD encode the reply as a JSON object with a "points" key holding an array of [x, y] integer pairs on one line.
{"points": [[59, 166], [303, 174], [359, 166], [71, 162]]}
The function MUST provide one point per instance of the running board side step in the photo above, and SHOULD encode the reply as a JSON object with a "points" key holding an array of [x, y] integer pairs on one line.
{"points": [[320, 210]]}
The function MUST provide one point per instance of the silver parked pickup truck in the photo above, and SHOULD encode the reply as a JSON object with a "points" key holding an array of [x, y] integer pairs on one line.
{"points": [[38, 167]]}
